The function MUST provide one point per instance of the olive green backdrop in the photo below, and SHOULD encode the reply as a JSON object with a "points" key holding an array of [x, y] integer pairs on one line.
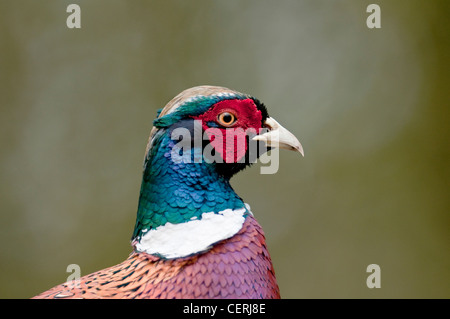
{"points": [[370, 106]]}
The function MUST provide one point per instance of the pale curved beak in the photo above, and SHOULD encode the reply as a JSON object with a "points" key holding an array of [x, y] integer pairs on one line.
{"points": [[278, 136]]}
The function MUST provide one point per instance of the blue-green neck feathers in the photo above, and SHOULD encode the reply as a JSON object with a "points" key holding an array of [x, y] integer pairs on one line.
{"points": [[178, 192]]}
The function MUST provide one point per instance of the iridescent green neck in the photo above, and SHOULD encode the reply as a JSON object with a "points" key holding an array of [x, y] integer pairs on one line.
{"points": [[174, 192]]}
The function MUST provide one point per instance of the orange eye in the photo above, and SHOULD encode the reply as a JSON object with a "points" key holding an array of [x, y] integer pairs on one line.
{"points": [[226, 119]]}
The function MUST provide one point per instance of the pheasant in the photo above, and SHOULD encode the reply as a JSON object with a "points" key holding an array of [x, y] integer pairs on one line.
{"points": [[194, 237]]}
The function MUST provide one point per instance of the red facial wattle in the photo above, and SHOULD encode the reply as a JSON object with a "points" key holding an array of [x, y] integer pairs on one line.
{"points": [[231, 141]]}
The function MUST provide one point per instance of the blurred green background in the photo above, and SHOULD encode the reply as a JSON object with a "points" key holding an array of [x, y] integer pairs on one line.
{"points": [[370, 106]]}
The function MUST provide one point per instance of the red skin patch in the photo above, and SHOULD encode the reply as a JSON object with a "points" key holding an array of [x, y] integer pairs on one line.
{"points": [[231, 142]]}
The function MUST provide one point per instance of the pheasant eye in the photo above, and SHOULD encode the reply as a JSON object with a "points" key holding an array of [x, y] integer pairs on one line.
{"points": [[226, 119]]}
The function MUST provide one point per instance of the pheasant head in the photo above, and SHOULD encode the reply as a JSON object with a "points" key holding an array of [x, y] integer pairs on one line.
{"points": [[199, 140]]}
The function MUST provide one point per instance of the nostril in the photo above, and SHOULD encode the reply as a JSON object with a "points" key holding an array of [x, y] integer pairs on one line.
{"points": [[271, 124]]}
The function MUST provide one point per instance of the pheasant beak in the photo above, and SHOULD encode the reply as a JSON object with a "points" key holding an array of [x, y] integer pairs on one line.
{"points": [[278, 136]]}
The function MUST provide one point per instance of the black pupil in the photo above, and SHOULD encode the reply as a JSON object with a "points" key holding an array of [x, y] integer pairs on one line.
{"points": [[227, 118]]}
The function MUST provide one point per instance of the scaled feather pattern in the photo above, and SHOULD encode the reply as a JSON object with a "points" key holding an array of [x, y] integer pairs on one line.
{"points": [[236, 268]]}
